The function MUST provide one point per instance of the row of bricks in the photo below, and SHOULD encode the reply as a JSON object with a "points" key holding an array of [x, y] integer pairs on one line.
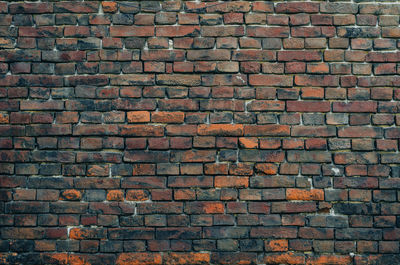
{"points": [[159, 43], [198, 258], [96, 143], [231, 218], [200, 7], [204, 31], [243, 194], [92, 96], [219, 130], [221, 232], [201, 156], [203, 55], [181, 18], [159, 185], [93, 246], [226, 245], [94, 117], [177, 105], [241, 169], [200, 67], [196, 80]]}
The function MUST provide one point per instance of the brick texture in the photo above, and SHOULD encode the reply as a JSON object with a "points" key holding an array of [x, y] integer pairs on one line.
{"points": [[199, 132]]}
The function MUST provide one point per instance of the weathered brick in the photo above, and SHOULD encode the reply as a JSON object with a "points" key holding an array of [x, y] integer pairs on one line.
{"points": [[139, 258]]}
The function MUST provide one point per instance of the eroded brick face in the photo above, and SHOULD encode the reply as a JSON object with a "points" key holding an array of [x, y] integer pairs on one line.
{"points": [[199, 132]]}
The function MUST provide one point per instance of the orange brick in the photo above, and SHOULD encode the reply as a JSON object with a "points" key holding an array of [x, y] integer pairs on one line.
{"points": [[77, 259], [198, 207], [137, 195], [329, 259], [4, 118], [267, 168], [71, 195], [139, 258], [231, 181], [57, 258], [138, 116], [276, 245], [186, 258], [287, 258], [305, 195], [167, 117], [220, 129], [248, 142], [78, 233], [109, 7], [115, 195]]}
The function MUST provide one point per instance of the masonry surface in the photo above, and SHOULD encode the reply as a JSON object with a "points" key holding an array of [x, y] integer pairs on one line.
{"points": [[199, 132]]}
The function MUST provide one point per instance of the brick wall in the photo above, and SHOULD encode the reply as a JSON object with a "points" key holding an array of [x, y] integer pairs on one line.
{"points": [[197, 132]]}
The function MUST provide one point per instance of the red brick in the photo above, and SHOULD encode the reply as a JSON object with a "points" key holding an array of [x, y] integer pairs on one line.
{"points": [[220, 130], [316, 80], [355, 106], [270, 80], [231, 181], [266, 130], [131, 31], [308, 106], [299, 56], [297, 7], [177, 31]]}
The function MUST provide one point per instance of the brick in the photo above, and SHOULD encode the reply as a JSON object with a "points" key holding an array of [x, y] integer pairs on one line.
{"points": [[355, 106], [220, 130], [204, 207], [138, 116], [297, 7], [139, 258], [362, 158], [231, 181], [304, 195], [360, 132], [251, 155], [193, 156], [326, 80], [266, 130], [178, 79], [184, 258], [269, 232], [322, 259], [308, 106], [141, 130], [288, 56], [270, 80], [131, 31]]}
